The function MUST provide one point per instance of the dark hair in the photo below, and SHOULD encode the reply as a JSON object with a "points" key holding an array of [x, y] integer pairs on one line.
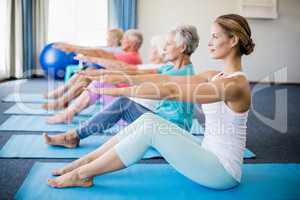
{"points": [[237, 25]]}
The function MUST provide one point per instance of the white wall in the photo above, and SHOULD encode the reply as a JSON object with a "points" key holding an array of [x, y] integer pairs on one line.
{"points": [[277, 41]]}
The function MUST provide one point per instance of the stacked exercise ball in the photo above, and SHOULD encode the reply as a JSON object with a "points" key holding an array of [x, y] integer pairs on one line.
{"points": [[54, 61]]}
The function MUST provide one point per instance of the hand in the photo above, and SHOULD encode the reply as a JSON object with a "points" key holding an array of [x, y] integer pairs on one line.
{"points": [[64, 47]]}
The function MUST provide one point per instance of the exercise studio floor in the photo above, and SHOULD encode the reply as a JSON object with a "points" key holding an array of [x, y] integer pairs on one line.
{"points": [[269, 145]]}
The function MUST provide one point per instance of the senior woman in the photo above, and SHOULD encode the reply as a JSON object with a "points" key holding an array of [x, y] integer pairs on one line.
{"points": [[225, 97], [131, 42], [87, 98], [180, 45]]}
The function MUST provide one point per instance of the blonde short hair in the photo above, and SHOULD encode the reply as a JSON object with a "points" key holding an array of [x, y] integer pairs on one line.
{"points": [[117, 33], [136, 35]]}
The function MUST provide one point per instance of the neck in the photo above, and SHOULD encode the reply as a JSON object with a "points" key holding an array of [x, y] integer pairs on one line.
{"points": [[232, 63], [182, 61]]}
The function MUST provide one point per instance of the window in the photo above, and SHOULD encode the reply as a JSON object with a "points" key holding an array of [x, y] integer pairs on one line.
{"points": [[82, 22], [3, 29]]}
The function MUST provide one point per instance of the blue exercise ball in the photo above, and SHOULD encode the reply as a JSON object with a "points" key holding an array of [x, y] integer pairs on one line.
{"points": [[54, 61]]}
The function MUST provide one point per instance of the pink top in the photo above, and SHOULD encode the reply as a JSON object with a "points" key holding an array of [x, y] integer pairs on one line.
{"points": [[132, 58]]}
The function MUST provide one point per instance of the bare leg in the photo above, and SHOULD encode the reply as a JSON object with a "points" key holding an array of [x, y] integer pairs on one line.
{"points": [[62, 89], [67, 115], [57, 92], [87, 158], [62, 102], [68, 139], [82, 176]]}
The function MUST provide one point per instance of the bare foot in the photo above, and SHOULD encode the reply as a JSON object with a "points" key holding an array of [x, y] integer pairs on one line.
{"points": [[54, 105], [70, 179], [69, 139], [59, 172], [70, 167], [64, 117]]}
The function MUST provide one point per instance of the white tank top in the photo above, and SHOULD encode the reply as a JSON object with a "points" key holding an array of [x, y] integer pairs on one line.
{"points": [[225, 133]]}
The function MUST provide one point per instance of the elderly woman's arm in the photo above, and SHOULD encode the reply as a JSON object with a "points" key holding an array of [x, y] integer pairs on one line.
{"points": [[113, 67], [219, 90], [153, 77], [107, 63], [89, 51]]}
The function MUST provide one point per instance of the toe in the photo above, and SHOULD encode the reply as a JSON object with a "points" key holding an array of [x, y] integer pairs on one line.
{"points": [[51, 182], [47, 138], [56, 172]]}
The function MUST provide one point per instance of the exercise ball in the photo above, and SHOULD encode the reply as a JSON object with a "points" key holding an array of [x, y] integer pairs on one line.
{"points": [[54, 61]]}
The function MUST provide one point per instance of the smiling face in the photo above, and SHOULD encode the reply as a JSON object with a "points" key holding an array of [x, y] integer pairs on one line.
{"points": [[171, 50], [126, 42], [221, 44]]}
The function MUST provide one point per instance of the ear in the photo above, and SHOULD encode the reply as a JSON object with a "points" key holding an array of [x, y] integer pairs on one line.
{"points": [[183, 48], [234, 40]]}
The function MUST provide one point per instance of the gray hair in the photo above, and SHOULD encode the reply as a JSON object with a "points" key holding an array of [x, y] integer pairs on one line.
{"points": [[158, 42], [136, 35], [186, 35]]}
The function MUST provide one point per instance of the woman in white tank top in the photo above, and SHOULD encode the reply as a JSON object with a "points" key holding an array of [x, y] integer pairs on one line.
{"points": [[225, 97]]}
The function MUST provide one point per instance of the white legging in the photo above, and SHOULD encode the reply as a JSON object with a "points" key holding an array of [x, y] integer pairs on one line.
{"points": [[182, 150]]}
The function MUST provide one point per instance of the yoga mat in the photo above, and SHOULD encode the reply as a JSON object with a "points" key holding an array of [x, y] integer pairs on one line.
{"points": [[26, 98], [33, 146], [36, 109], [161, 181], [38, 123]]}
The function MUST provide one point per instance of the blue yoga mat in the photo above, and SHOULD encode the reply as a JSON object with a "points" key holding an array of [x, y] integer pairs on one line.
{"points": [[25, 97], [33, 146], [36, 109], [161, 181], [38, 123]]}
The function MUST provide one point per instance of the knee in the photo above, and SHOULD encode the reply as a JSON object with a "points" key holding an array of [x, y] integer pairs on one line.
{"points": [[80, 85], [122, 101], [149, 121]]}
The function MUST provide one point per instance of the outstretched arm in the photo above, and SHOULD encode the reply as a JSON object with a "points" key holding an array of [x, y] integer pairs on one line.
{"points": [[89, 51], [154, 78], [112, 66], [219, 90]]}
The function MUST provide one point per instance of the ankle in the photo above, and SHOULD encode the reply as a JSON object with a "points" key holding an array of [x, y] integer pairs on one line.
{"points": [[81, 175]]}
